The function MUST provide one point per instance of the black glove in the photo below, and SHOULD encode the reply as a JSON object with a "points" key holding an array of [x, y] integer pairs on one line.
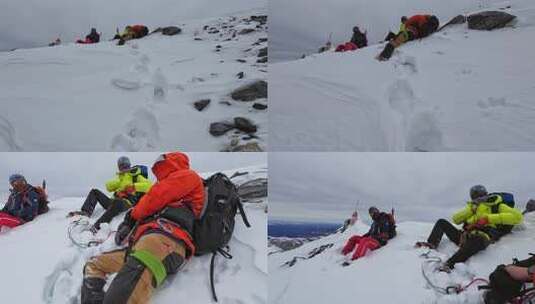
{"points": [[124, 229]]}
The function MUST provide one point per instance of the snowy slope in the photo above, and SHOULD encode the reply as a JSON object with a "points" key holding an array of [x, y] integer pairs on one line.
{"points": [[293, 34], [389, 275], [456, 90], [40, 256], [101, 97]]}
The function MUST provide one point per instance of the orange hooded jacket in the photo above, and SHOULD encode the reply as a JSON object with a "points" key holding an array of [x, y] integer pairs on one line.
{"points": [[177, 185], [417, 23]]}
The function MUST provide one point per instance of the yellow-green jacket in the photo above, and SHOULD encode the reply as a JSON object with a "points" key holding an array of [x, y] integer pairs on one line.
{"points": [[505, 215], [402, 28], [124, 179]]}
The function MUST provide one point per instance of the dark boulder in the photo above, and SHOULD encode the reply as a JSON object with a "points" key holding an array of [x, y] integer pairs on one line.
{"points": [[250, 92], [246, 31], [171, 30], [262, 19], [220, 128], [263, 52], [489, 20], [256, 188], [262, 60], [249, 147], [201, 104], [244, 125], [259, 106]]}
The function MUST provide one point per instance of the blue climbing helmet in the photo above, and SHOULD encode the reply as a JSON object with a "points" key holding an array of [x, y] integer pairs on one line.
{"points": [[16, 177]]}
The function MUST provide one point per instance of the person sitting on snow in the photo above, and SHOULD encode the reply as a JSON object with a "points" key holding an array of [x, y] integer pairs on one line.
{"points": [[128, 188], [480, 219], [131, 32], [159, 246], [416, 27], [402, 28], [22, 205], [92, 37], [55, 42], [506, 282], [382, 229], [358, 40]]}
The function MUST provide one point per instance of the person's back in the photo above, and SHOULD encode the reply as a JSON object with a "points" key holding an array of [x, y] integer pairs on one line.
{"points": [[422, 25], [93, 36], [359, 38], [159, 234]]}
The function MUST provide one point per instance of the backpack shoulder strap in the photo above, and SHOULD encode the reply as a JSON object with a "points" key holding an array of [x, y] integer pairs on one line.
{"points": [[495, 208]]}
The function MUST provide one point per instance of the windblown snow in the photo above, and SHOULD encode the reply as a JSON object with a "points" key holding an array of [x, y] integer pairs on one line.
{"points": [[136, 97], [391, 274], [41, 265], [457, 90]]}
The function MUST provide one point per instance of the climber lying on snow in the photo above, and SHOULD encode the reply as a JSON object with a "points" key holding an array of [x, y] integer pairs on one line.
{"points": [[416, 27], [131, 32], [382, 229], [24, 203]]}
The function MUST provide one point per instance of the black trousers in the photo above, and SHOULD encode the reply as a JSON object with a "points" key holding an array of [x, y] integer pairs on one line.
{"points": [[113, 206], [471, 245]]}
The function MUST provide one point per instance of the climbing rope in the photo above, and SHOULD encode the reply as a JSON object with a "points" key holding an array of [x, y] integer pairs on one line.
{"points": [[82, 225], [452, 289]]}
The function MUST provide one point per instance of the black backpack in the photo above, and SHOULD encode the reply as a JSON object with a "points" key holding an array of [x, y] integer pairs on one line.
{"points": [[509, 200], [502, 287], [213, 230]]}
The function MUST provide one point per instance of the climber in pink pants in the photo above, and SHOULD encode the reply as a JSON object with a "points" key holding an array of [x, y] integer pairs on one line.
{"points": [[7, 220], [382, 229], [362, 245]]}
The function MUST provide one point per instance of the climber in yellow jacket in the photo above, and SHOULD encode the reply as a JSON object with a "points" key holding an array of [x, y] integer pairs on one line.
{"points": [[128, 186], [485, 219]]}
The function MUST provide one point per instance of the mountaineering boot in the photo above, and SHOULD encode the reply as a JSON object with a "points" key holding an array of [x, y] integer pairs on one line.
{"points": [[386, 53], [444, 268], [80, 213], [425, 244], [94, 229], [93, 291]]}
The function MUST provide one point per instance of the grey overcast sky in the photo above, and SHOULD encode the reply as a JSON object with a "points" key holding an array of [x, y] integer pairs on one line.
{"points": [[420, 186], [74, 174], [30, 23]]}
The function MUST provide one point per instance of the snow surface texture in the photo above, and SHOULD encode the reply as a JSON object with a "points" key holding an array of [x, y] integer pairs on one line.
{"points": [[391, 274], [50, 268], [138, 97], [457, 90]]}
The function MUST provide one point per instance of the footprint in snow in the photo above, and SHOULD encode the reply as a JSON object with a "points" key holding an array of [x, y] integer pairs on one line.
{"points": [[142, 133], [8, 139]]}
